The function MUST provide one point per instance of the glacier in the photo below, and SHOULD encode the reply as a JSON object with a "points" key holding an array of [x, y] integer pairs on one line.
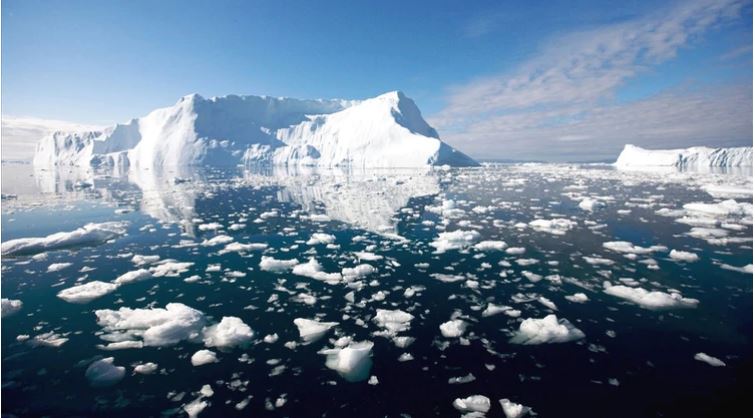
{"points": [[685, 158], [385, 131]]}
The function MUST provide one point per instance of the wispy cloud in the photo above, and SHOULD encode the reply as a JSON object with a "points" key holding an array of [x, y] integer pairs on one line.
{"points": [[563, 92]]}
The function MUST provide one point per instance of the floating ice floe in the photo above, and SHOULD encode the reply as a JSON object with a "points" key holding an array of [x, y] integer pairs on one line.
{"points": [[455, 240], [103, 373], [230, 332], [154, 326], [474, 403], [629, 248], [277, 266], [649, 299], [546, 330], [217, 240], [513, 410], [311, 330], [89, 234], [747, 269], [358, 272], [591, 205], [202, 357], [319, 238], [352, 362], [145, 368], [577, 298], [453, 328], [170, 268], [57, 267], [493, 309], [10, 306], [237, 247], [140, 260], [87, 292], [490, 246], [679, 255], [709, 359], [557, 226], [313, 270], [133, 276], [392, 322]]}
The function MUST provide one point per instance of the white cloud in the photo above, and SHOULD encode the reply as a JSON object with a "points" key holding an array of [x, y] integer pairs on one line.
{"points": [[566, 94]]}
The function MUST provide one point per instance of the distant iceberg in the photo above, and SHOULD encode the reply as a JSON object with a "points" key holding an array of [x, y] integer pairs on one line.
{"points": [[685, 158], [384, 131]]}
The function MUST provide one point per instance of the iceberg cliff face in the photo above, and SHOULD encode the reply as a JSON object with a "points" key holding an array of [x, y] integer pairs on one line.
{"points": [[385, 131], [695, 157]]}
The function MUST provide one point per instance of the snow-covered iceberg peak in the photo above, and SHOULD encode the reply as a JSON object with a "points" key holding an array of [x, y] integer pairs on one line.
{"points": [[693, 158], [385, 131]]}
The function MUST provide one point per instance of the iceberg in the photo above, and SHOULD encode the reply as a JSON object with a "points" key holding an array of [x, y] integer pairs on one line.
{"points": [[384, 131], [688, 158]]}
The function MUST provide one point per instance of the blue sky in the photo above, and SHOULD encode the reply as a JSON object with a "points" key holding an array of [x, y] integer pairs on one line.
{"points": [[532, 80]]}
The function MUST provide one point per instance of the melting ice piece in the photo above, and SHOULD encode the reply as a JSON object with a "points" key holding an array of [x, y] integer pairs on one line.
{"points": [[557, 226], [277, 266], [10, 306], [454, 328], [352, 362], [392, 321], [87, 292], [230, 332], [514, 410], [709, 359], [546, 330], [89, 234], [474, 403], [311, 330], [649, 299], [202, 357], [102, 373], [454, 240], [156, 326]]}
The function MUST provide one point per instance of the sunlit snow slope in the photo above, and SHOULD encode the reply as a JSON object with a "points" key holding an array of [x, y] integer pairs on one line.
{"points": [[385, 131]]}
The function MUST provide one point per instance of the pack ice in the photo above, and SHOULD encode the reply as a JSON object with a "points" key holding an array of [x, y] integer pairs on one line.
{"points": [[384, 131]]}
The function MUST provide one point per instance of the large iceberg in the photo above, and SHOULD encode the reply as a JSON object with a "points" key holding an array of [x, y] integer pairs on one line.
{"points": [[385, 131], [687, 158]]}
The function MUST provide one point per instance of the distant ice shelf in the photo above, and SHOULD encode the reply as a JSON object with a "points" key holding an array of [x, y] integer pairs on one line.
{"points": [[384, 131], [693, 158]]}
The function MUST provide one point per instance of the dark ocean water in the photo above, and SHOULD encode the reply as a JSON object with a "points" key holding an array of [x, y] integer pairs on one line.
{"points": [[632, 361]]}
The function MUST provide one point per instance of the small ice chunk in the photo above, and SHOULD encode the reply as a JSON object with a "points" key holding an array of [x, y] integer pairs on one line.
{"points": [[320, 238], [577, 298], [474, 403], [649, 299], [453, 328], [352, 362], [311, 330], [87, 292], [709, 359], [455, 240], [545, 331], [513, 410], [57, 267], [10, 306], [230, 332], [89, 234], [145, 368], [102, 373], [277, 266], [202, 357], [679, 255]]}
